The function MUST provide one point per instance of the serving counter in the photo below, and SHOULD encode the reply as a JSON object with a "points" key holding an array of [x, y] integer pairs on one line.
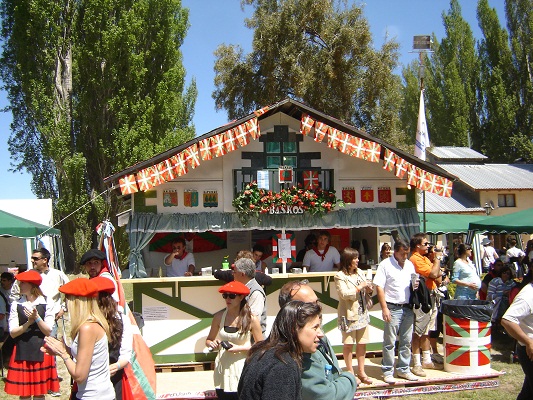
{"points": [[177, 313]]}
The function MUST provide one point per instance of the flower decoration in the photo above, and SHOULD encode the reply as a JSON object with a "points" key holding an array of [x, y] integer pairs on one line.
{"points": [[253, 201]]}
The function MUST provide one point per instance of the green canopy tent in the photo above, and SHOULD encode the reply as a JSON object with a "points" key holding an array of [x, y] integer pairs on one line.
{"points": [[11, 225], [518, 222], [438, 224], [30, 232]]}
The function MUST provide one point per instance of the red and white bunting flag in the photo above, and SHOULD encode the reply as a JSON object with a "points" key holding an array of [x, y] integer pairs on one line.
{"points": [[435, 185], [306, 124], [321, 130], [167, 169], [311, 180], [359, 150], [180, 165], [389, 160], [157, 175], [241, 135], [230, 141], [261, 111], [401, 167], [144, 178], [413, 175], [128, 184], [335, 137], [253, 128], [373, 151], [205, 149], [447, 186], [347, 144], [218, 145], [424, 179], [193, 156]]}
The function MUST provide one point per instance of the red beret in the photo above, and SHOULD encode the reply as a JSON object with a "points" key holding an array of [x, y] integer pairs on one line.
{"points": [[234, 287], [104, 284], [30, 276], [81, 287]]}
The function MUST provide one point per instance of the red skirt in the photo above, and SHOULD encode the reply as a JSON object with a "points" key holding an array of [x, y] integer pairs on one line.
{"points": [[31, 378]]}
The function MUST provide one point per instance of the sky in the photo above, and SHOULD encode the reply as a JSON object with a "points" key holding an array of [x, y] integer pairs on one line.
{"points": [[214, 22]]}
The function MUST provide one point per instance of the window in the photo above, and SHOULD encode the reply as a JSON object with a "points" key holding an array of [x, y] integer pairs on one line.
{"points": [[506, 200], [281, 153]]}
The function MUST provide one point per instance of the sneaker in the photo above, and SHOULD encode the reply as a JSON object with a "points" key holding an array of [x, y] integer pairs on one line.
{"points": [[54, 394], [407, 375], [389, 379], [432, 365], [418, 370], [437, 358]]}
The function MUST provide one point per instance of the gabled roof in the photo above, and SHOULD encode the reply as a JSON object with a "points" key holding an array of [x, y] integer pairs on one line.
{"points": [[293, 109], [493, 176], [458, 203], [452, 153]]}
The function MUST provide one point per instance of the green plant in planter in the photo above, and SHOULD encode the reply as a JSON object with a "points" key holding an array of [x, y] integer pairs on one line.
{"points": [[253, 201]]}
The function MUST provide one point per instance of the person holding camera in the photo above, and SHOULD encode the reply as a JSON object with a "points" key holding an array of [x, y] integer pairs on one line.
{"points": [[424, 322], [355, 297], [231, 334]]}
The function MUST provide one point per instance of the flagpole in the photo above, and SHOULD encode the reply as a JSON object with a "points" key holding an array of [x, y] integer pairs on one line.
{"points": [[422, 44]]}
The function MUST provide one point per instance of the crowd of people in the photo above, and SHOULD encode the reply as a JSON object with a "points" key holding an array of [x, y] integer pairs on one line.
{"points": [[98, 347], [295, 360]]}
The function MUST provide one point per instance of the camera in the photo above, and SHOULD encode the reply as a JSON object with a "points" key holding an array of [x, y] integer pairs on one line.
{"points": [[225, 344]]}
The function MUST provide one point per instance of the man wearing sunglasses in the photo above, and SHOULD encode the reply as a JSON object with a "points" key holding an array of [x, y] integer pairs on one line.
{"points": [[424, 322], [315, 384]]}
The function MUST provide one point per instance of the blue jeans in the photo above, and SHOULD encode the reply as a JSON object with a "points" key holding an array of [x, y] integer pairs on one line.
{"points": [[401, 327]]}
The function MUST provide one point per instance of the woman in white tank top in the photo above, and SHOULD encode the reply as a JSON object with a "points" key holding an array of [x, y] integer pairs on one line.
{"points": [[87, 360]]}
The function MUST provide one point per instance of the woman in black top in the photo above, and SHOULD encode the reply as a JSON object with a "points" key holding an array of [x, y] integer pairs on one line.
{"points": [[273, 366]]}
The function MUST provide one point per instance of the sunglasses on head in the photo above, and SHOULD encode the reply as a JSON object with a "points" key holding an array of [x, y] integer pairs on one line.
{"points": [[230, 295]]}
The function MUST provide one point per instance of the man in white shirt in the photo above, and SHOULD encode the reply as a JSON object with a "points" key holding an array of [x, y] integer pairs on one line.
{"points": [[179, 262], [323, 257], [488, 254], [518, 322], [94, 262], [392, 281]]}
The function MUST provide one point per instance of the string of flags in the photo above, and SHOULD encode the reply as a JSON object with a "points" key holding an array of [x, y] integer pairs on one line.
{"points": [[191, 157], [370, 151], [241, 135]]}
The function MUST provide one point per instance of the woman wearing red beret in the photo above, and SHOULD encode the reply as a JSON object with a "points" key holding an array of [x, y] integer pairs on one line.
{"points": [[89, 330], [230, 334], [30, 372], [120, 340]]}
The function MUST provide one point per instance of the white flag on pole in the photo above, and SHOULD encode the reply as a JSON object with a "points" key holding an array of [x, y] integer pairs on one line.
{"points": [[422, 135]]}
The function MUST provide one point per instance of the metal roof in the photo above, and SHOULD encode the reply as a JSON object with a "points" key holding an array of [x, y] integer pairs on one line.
{"points": [[456, 153], [493, 176], [458, 203]]}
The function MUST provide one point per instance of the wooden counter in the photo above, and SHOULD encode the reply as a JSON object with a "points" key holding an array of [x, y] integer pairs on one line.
{"points": [[177, 313]]}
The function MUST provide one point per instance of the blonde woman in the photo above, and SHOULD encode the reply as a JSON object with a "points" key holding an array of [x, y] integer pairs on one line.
{"points": [[354, 294], [88, 359]]}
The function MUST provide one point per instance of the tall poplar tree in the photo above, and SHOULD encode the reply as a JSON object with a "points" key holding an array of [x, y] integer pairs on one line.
{"points": [[93, 86], [520, 25], [319, 52], [496, 91], [451, 84]]}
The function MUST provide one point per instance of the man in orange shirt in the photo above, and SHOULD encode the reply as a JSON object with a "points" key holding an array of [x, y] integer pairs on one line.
{"points": [[424, 322]]}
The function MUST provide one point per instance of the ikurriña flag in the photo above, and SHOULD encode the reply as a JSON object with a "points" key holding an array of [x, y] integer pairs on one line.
{"points": [[140, 373]]}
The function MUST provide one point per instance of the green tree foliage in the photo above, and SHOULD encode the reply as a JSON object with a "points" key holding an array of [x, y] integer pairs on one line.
{"points": [[519, 15], [93, 86], [496, 93], [452, 80], [319, 52]]}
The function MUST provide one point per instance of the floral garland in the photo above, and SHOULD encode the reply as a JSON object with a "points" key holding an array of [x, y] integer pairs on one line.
{"points": [[255, 201]]}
